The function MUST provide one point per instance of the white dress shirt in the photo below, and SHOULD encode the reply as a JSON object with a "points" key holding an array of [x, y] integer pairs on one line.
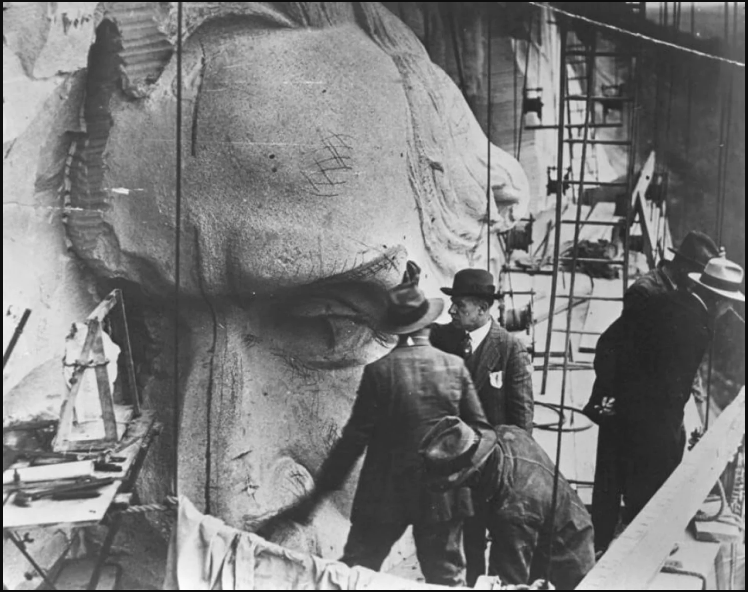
{"points": [[478, 335]]}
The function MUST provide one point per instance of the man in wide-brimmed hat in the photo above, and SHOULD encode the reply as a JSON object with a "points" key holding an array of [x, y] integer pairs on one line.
{"points": [[501, 369], [509, 469], [401, 396], [659, 353]]}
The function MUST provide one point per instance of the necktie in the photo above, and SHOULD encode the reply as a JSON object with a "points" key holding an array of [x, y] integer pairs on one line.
{"points": [[466, 346]]}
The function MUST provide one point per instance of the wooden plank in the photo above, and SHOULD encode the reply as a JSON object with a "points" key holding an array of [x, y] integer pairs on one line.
{"points": [[645, 178], [65, 426], [127, 352], [85, 440], [80, 513], [106, 400], [649, 539], [103, 308], [11, 339]]}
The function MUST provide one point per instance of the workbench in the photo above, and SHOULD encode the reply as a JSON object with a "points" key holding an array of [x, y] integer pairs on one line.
{"points": [[82, 513]]}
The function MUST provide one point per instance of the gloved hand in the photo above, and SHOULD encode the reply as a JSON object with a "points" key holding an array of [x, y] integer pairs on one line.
{"points": [[607, 407]]}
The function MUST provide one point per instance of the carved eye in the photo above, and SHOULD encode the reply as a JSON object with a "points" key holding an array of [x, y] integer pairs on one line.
{"points": [[330, 326]]}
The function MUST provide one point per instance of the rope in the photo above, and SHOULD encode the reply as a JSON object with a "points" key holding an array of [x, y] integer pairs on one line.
{"points": [[690, 87], [554, 426], [456, 47], [170, 505], [725, 146], [638, 35], [676, 28], [489, 110], [559, 213], [177, 245], [524, 87]]}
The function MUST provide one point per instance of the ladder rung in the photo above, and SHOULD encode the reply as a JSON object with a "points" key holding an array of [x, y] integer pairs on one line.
{"points": [[598, 98], [593, 222], [575, 126], [598, 183], [599, 54], [599, 142], [600, 298], [581, 366], [592, 260], [529, 271], [554, 354]]}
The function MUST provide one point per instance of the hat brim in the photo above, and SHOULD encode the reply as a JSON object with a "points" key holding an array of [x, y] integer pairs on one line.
{"points": [[692, 262], [485, 448], [436, 306], [735, 295], [452, 292]]}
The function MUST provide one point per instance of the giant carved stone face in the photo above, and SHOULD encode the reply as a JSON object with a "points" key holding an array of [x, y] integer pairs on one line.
{"points": [[316, 162]]}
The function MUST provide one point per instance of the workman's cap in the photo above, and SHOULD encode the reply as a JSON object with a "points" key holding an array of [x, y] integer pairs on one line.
{"points": [[453, 450]]}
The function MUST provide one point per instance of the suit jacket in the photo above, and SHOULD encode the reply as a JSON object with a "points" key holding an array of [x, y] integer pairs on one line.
{"points": [[513, 402], [401, 396]]}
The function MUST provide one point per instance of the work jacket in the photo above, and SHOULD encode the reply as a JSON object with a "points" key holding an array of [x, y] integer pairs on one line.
{"points": [[517, 483]]}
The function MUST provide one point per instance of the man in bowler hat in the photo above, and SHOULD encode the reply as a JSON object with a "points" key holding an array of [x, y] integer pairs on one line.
{"points": [[501, 369], [402, 396], [532, 539]]}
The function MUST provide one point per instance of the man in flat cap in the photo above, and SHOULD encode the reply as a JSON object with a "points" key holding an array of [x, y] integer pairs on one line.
{"points": [[501, 369], [507, 468], [401, 396]]}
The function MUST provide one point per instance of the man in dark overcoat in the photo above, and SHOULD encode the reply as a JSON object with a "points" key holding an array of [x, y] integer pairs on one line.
{"points": [[501, 369], [654, 357], [401, 396], [694, 253]]}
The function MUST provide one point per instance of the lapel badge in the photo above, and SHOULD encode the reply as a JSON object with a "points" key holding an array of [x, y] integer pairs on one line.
{"points": [[496, 379]]}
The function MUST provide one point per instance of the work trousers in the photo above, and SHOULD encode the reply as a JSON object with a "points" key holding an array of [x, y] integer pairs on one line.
{"points": [[519, 556], [438, 548], [475, 541]]}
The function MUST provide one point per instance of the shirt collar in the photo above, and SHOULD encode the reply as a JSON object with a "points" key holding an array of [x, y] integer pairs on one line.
{"points": [[478, 335]]}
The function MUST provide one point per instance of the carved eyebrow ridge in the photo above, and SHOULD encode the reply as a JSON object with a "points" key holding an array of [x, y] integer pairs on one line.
{"points": [[386, 262]]}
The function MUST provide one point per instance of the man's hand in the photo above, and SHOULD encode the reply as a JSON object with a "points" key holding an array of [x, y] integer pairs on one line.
{"points": [[303, 510], [300, 512], [607, 407]]}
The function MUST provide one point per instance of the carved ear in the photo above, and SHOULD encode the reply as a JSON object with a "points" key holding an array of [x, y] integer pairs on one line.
{"points": [[412, 273]]}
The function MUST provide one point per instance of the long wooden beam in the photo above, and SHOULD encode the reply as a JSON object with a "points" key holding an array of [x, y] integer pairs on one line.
{"points": [[637, 556]]}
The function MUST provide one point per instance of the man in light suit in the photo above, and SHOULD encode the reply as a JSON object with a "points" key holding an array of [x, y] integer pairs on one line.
{"points": [[501, 369]]}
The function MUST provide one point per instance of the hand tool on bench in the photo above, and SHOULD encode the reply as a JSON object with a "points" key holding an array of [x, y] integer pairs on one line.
{"points": [[82, 490], [103, 462]]}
